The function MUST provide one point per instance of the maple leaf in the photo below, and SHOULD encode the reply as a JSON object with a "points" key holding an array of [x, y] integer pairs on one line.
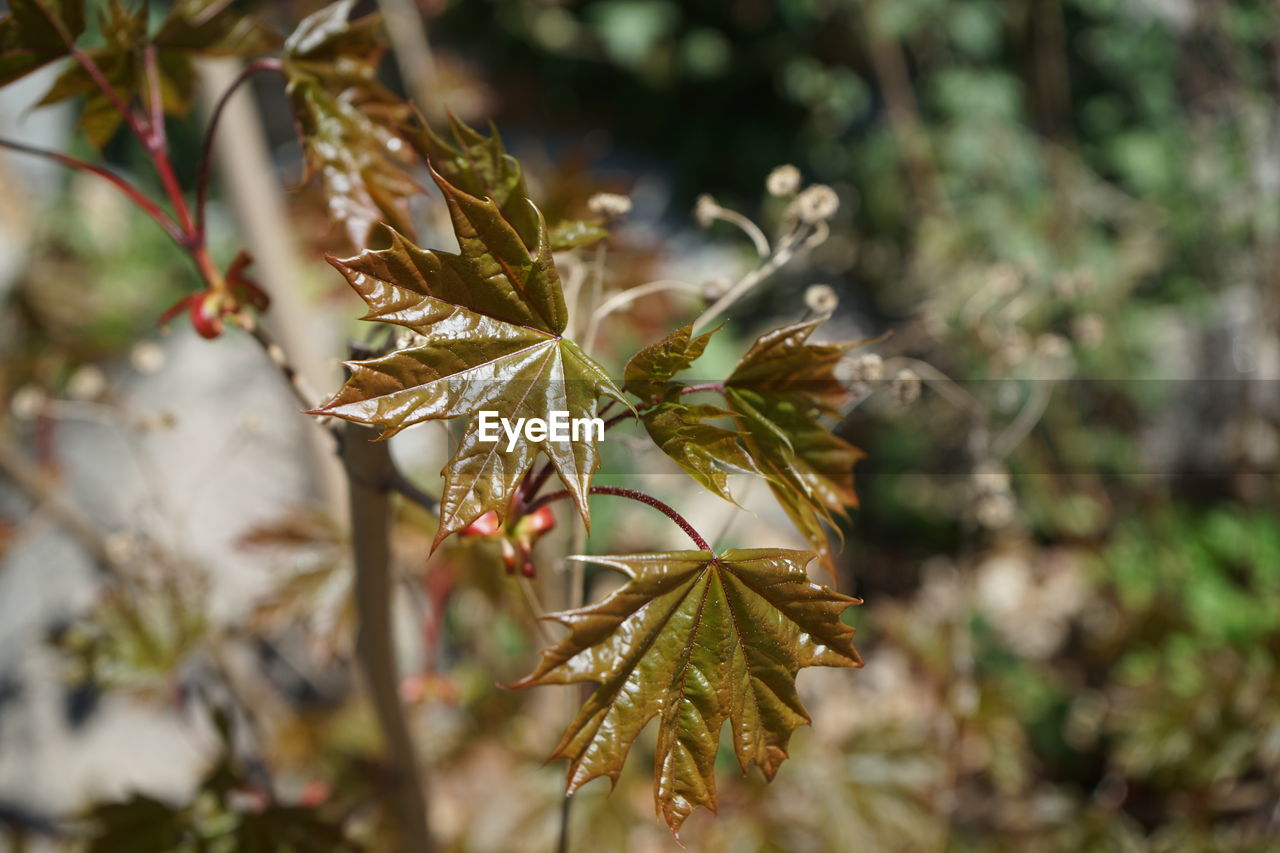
{"points": [[350, 122], [491, 320], [35, 33], [779, 390], [704, 451], [694, 640], [481, 166], [191, 28]]}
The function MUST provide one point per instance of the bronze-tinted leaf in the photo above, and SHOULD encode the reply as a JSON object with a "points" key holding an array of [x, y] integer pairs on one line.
{"points": [[695, 640], [649, 371], [350, 122], [779, 390], [490, 321], [35, 33], [706, 452], [481, 166]]}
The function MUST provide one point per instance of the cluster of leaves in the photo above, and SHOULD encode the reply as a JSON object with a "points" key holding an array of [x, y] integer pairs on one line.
{"points": [[775, 398], [489, 326], [694, 637]]}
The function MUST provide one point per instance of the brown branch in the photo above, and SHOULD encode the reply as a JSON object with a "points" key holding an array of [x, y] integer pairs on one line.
{"points": [[369, 469]]}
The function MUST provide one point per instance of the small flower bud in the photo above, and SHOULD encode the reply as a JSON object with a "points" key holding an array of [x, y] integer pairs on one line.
{"points": [[609, 205], [821, 299], [147, 357], [783, 181], [27, 403], [87, 383], [706, 210], [906, 387], [817, 203], [994, 510], [868, 367]]}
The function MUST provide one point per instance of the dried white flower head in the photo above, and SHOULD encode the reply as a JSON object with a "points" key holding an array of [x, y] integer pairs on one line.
{"points": [[868, 367], [609, 205], [706, 210], [990, 476], [1089, 330], [715, 287], [147, 357], [821, 298], [783, 181], [27, 403], [817, 203], [87, 383], [905, 387], [994, 510]]}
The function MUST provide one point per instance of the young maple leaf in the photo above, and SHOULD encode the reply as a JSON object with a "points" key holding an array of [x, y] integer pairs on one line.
{"points": [[350, 122], [191, 29], [35, 33], [480, 165], [694, 640], [491, 320], [705, 452], [779, 391]]}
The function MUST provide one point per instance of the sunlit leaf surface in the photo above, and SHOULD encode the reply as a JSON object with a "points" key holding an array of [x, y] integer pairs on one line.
{"points": [[695, 640], [490, 321]]}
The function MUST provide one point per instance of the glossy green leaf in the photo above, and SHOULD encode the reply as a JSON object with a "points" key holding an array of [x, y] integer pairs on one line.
{"points": [[350, 122], [779, 390], [35, 33], [705, 452], [481, 166], [192, 28], [490, 321], [695, 640]]}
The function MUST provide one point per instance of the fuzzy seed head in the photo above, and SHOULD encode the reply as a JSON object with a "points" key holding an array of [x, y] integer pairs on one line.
{"points": [[609, 205], [783, 181], [821, 299], [905, 387], [706, 210], [817, 203]]}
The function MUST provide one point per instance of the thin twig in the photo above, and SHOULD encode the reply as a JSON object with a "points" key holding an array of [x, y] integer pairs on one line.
{"points": [[211, 131], [790, 246], [1028, 416], [624, 298], [135, 195], [597, 288], [302, 391], [748, 227], [406, 488], [634, 495]]}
